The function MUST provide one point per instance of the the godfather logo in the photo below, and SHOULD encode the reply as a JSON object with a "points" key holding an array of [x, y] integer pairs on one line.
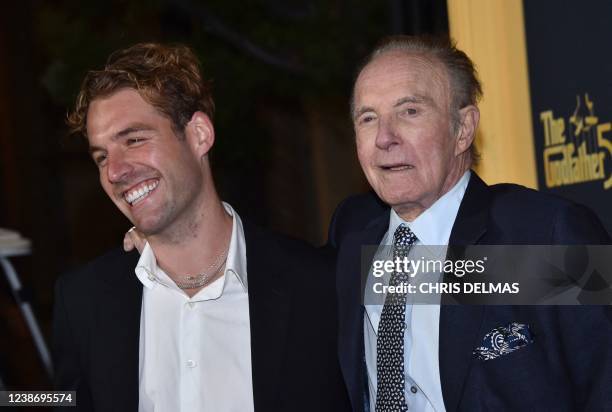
{"points": [[580, 151]]}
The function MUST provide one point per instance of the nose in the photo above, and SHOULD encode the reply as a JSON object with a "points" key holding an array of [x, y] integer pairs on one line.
{"points": [[386, 135], [118, 167]]}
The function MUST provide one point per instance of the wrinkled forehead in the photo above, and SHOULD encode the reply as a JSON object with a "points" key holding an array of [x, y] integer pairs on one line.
{"points": [[403, 72]]}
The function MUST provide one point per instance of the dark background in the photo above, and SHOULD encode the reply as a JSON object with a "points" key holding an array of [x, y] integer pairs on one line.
{"points": [[284, 156]]}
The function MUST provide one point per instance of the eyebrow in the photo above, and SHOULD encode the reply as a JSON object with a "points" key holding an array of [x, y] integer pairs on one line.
{"points": [[135, 128], [138, 127], [417, 98]]}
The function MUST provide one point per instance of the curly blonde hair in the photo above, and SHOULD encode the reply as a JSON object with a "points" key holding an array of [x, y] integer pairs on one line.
{"points": [[168, 77]]}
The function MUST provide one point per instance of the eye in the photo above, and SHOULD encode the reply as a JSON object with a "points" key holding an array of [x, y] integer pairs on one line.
{"points": [[134, 140], [99, 159], [366, 118], [409, 111]]}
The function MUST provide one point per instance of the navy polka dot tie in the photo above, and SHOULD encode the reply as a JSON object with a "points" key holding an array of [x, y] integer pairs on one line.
{"points": [[390, 342]]}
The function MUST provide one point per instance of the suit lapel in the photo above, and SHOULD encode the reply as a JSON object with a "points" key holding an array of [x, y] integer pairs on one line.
{"points": [[350, 284], [471, 222], [460, 324], [117, 332], [269, 309]]}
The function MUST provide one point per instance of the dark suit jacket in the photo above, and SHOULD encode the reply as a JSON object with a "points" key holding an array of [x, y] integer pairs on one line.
{"points": [[292, 311], [569, 365]]}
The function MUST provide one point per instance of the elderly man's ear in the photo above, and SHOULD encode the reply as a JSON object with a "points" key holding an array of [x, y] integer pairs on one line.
{"points": [[134, 239], [469, 117]]}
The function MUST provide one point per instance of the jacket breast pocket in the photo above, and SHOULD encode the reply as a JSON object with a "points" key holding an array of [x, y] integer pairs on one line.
{"points": [[525, 379]]}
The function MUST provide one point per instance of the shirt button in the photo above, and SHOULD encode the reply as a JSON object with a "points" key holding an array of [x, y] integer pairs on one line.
{"points": [[413, 389], [191, 305], [151, 277], [191, 363]]}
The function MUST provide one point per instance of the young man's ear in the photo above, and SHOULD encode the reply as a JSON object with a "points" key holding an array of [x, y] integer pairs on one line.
{"points": [[469, 117], [200, 133]]}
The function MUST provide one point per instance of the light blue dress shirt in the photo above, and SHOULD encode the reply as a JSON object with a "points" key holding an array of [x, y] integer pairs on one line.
{"points": [[423, 390]]}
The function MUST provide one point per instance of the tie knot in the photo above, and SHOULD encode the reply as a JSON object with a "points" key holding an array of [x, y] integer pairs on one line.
{"points": [[403, 236]]}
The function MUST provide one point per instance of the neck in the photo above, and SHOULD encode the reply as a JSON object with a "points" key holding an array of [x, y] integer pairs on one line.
{"points": [[411, 211], [201, 241]]}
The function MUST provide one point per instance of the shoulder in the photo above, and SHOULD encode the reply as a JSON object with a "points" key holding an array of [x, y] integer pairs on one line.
{"points": [[353, 214], [507, 197], [553, 218], [264, 245], [80, 294], [280, 262], [90, 275]]}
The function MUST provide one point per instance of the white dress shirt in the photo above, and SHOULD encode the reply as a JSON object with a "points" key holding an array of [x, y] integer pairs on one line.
{"points": [[195, 353], [423, 390]]}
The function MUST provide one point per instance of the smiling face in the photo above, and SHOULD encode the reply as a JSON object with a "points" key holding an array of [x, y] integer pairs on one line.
{"points": [[405, 140], [154, 177]]}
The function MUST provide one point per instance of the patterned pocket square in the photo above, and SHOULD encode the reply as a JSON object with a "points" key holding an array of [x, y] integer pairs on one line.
{"points": [[504, 340]]}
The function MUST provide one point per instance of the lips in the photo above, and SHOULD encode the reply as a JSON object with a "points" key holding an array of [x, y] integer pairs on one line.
{"points": [[140, 191], [396, 167]]}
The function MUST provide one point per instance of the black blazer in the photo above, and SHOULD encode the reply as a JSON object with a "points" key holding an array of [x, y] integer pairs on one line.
{"points": [[569, 365], [293, 329]]}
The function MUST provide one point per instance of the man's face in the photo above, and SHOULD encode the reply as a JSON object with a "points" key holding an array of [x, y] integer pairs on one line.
{"points": [[403, 129], [152, 176]]}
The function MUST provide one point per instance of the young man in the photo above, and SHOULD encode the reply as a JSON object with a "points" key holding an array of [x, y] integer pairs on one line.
{"points": [[215, 315]]}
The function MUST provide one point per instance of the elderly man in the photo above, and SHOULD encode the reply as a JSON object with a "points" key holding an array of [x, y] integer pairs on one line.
{"points": [[415, 117], [215, 315]]}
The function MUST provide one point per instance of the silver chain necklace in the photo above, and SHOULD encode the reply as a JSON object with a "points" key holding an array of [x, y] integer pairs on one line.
{"points": [[197, 281]]}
